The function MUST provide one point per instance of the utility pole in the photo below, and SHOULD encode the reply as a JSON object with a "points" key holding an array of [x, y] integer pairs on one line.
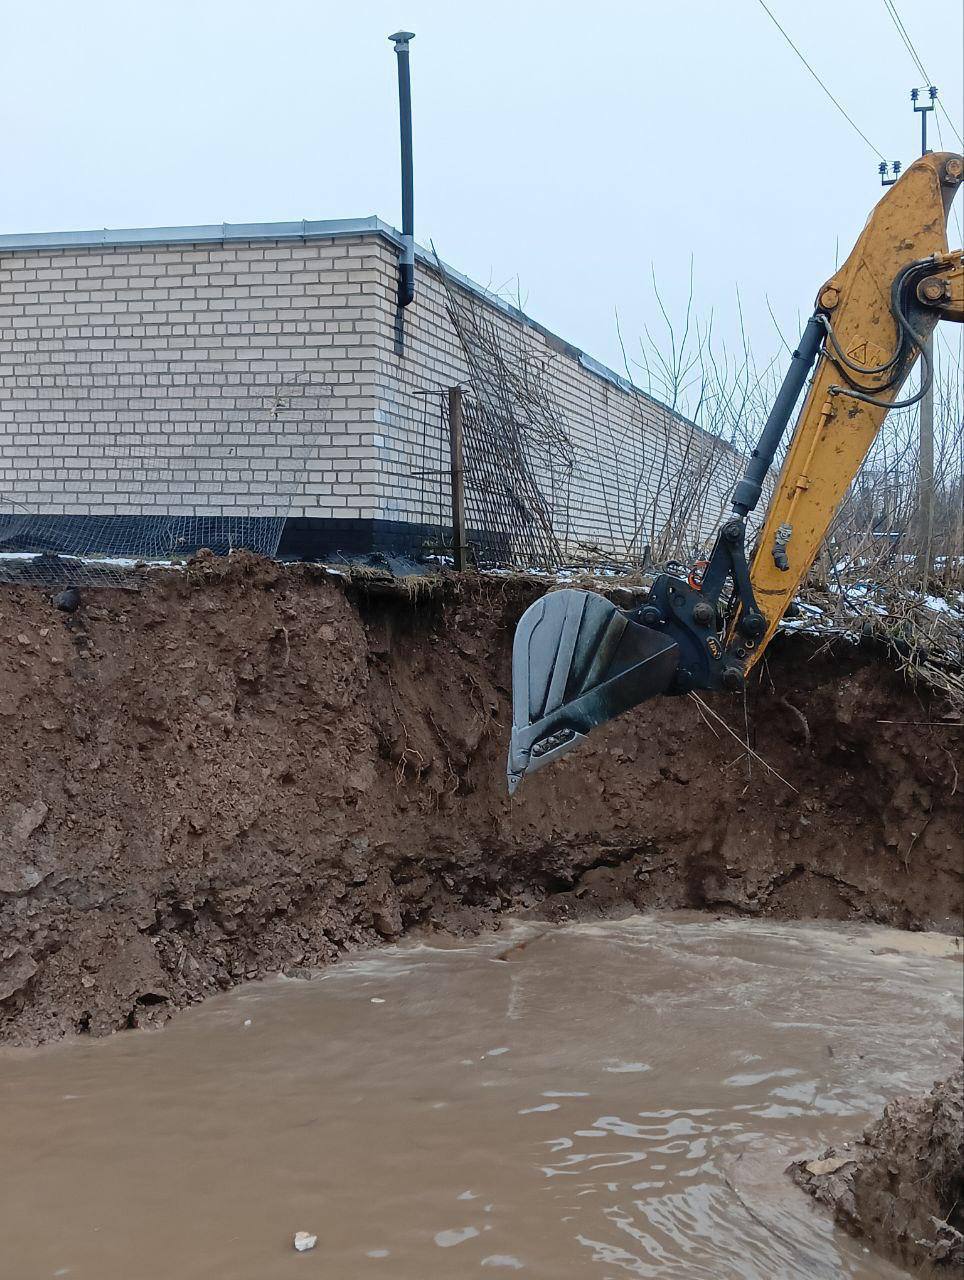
{"points": [[925, 476], [925, 465]]}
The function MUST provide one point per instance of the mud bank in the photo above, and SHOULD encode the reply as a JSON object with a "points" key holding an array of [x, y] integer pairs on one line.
{"points": [[901, 1186], [245, 769]]}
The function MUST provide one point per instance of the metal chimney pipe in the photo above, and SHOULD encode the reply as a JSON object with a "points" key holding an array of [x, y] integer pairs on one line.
{"points": [[406, 259]]}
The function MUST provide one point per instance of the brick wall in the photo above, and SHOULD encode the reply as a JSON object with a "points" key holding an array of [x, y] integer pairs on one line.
{"points": [[269, 376], [199, 379]]}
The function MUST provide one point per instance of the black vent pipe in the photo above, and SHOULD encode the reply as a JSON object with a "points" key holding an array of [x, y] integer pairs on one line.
{"points": [[406, 259]]}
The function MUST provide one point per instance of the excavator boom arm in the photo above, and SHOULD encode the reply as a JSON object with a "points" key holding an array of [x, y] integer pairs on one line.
{"points": [[578, 660], [846, 406]]}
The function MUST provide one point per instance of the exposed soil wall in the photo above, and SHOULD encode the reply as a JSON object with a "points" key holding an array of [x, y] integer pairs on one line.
{"points": [[245, 768], [901, 1186]]}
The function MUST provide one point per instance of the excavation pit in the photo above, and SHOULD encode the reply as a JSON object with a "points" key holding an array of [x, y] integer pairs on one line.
{"points": [[245, 770]]}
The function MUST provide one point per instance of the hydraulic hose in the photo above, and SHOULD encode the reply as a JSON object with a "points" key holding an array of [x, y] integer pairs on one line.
{"points": [[908, 334]]}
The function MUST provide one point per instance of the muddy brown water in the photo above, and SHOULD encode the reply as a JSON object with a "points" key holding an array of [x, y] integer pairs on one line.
{"points": [[600, 1100]]}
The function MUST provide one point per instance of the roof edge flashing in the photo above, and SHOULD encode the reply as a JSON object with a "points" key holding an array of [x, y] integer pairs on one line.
{"points": [[210, 233]]}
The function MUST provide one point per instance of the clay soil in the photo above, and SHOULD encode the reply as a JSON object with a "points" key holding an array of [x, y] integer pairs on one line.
{"points": [[901, 1186], [244, 768]]}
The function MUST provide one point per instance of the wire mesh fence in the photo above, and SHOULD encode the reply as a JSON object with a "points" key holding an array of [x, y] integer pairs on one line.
{"points": [[563, 466], [45, 548], [508, 516], [575, 504]]}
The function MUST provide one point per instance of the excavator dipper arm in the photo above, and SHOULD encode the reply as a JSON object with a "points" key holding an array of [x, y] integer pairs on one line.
{"points": [[578, 660]]}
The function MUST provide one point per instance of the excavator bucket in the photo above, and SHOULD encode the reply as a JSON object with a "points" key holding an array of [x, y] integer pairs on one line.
{"points": [[578, 661]]}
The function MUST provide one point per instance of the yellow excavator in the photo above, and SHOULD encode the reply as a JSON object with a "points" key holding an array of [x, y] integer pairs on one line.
{"points": [[578, 660]]}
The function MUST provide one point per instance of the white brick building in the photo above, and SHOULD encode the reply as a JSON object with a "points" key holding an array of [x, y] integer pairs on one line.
{"points": [[265, 371]]}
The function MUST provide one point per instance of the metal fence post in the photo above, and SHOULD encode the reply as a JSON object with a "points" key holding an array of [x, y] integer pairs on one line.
{"points": [[459, 550]]}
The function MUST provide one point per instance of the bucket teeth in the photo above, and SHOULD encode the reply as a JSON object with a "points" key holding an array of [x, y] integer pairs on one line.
{"points": [[578, 661]]}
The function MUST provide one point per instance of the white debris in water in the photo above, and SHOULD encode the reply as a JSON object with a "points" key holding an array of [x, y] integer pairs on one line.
{"points": [[494, 1053], [247, 1022], [304, 1241], [546, 1106], [377, 1000], [502, 1260], [377, 1253], [469, 1195], [445, 1239]]}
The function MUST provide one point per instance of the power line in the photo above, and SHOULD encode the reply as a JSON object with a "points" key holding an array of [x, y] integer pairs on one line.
{"points": [[845, 115], [902, 31]]}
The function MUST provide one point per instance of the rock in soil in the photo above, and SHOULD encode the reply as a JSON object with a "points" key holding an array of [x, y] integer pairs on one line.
{"points": [[901, 1186]]}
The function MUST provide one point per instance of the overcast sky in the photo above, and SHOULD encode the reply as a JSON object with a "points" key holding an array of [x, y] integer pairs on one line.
{"points": [[572, 148]]}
